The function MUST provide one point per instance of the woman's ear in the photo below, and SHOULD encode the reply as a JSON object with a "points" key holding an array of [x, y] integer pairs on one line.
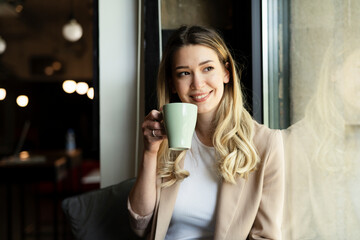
{"points": [[227, 73]]}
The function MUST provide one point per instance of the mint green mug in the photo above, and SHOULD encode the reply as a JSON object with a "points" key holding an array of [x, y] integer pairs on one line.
{"points": [[180, 121]]}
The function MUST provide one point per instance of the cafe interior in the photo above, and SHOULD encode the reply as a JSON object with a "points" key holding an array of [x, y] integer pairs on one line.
{"points": [[49, 108], [77, 78]]}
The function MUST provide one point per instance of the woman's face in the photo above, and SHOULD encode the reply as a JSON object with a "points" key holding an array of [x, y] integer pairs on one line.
{"points": [[199, 77]]}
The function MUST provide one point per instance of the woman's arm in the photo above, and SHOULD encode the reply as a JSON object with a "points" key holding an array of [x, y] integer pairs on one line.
{"points": [[142, 198], [267, 224]]}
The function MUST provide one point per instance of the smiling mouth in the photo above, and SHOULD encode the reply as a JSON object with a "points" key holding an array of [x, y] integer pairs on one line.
{"points": [[201, 97]]}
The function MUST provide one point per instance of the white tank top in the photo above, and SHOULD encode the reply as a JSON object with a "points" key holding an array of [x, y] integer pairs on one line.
{"points": [[194, 212]]}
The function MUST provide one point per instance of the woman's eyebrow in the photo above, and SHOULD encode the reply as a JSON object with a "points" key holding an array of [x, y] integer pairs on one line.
{"points": [[202, 63], [205, 62], [180, 67]]}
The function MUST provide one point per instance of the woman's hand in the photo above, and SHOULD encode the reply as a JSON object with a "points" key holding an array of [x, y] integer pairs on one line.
{"points": [[153, 131]]}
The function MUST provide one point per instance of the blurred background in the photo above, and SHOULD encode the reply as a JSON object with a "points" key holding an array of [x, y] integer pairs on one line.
{"points": [[49, 112], [38, 58]]}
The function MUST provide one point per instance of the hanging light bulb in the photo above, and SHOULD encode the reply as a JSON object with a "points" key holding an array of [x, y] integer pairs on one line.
{"points": [[2, 45], [72, 31]]}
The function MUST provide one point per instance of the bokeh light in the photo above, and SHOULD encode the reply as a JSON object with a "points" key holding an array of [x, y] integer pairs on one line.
{"points": [[2, 45], [19, 8], [56, 65], [69, 86], [48, 71], [90, 93], [2, 94], [82, 88], [23, 155], [72, 31], [22, 100]]}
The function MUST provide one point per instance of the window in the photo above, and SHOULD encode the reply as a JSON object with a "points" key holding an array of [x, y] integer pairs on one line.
{"points": [[318, 48]]}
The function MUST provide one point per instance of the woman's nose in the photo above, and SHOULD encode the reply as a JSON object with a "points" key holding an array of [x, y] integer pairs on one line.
{"points": [[197, 82]]}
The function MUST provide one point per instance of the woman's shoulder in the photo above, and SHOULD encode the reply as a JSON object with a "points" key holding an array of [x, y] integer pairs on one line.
{"points": [[267, 139], [262, 132]]}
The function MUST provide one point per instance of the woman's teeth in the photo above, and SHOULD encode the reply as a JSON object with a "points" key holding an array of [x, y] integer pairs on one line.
{"points": [[200, 96]]}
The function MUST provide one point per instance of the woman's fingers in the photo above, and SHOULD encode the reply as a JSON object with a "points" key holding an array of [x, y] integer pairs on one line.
{"points": [[153, 126], [158, 133], [155, 115]]}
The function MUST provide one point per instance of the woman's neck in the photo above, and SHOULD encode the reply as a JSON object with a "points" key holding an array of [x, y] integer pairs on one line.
{"points": [[205, 129]]}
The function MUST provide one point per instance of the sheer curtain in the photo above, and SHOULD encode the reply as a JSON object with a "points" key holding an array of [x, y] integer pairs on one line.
{"points": [[322, 146]]}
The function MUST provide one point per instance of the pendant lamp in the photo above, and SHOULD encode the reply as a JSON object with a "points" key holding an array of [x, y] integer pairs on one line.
{"points": [[2, 45], [72, 30]]}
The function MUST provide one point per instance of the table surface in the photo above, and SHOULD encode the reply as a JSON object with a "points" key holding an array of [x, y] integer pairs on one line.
{"points": [[39, 166]]}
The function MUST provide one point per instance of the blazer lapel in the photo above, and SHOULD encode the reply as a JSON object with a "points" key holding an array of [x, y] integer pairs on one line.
{"points": [[230, 195], [166, 208]]}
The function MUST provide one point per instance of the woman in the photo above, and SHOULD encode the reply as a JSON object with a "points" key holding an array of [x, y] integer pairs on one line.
{"points": [[230, 184]]}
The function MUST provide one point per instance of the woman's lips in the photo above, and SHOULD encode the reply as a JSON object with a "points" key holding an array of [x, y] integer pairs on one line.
{"points": [[201, 97]]}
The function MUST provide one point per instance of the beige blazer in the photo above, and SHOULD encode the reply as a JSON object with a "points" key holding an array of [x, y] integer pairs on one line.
{"points": [[250, 208]]}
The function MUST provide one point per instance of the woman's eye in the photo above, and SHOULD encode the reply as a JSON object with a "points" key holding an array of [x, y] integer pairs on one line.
{"points": [[183, 74], [207, 69]]}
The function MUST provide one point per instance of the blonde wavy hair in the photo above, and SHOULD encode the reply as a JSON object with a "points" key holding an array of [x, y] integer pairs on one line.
{"points": [[234, 126]]}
